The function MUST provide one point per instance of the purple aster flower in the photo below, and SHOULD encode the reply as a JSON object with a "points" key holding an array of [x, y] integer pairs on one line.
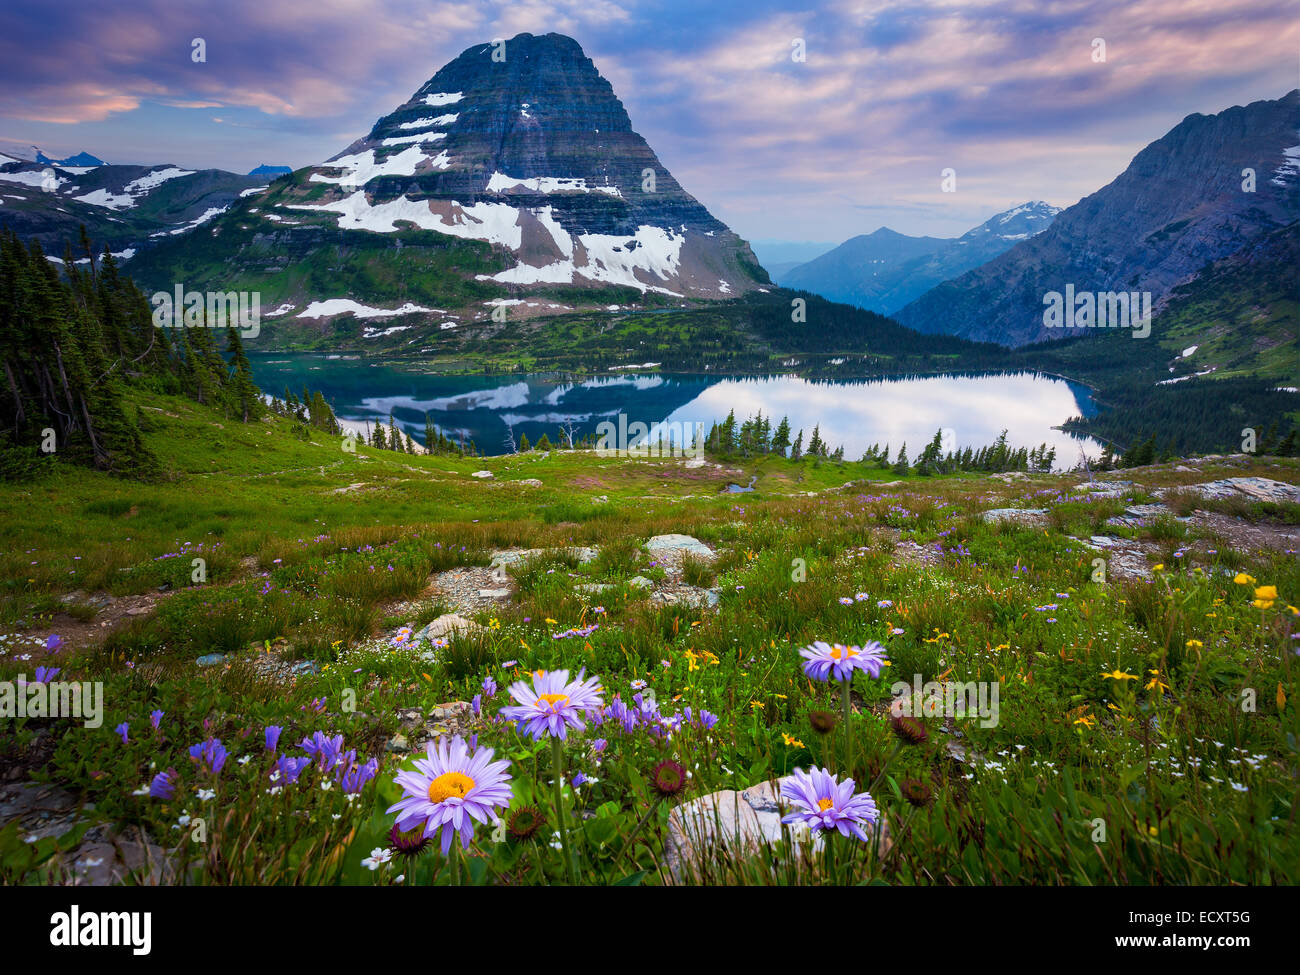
{"points": [[123, 729], [826, 660], [155, 718], [163, 785], [273, 732], [450, 789], [553, 704], [288, 768], [822, 803]]}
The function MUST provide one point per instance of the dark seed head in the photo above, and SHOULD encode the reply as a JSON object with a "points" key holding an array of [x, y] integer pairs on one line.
{"points": [[524, 822], [916, 792], [668, 778], [908, 729], [408, 842], [823, 722]]}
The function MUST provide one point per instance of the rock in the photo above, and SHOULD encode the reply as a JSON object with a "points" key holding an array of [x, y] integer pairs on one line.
{"points": [[211, 659], [679, 545], [447, 625], [695, 462], [530, 482], [481, 474], [349, 488], [1019, 515], [1254, 488], [398, 744], [305, 667], [736, 822], [494, 594], [593, 587], [1146, 510], [640, 582], [692, 596]]}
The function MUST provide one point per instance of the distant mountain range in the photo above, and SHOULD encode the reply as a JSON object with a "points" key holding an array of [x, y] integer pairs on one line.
{"points": [[1215, 184], [515, 183], [884, 270], [272, 171], [80, 159], [123, 207]]}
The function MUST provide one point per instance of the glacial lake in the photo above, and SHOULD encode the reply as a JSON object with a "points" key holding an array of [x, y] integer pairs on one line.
{"points": [[972, 409]]}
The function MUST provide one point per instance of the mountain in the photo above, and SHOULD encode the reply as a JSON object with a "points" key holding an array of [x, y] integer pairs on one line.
{"points": [[780, 256], [514, 183], [885, 270], [1181, 204], [80, 159], [123, 207], [272, 171]]}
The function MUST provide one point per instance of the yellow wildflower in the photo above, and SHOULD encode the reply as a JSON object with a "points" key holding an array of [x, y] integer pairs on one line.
{"points": [[1118, 674], [1242, 579], [793, 742]]}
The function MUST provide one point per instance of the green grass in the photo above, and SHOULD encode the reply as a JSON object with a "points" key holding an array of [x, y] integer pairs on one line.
{"points": [[1190, 787]]}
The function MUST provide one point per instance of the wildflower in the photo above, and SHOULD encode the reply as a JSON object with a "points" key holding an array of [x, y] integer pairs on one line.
{"points": [[489, 687], [402, 637], [355, 777], [846, 601], [327, 751], [861, 596], [155, 718], [825, 660], [211, 755], [1242, 579], [1118, 675], [639, 685], [791, 741], [272, 733], [554, 703], [885, 603], [44, 675], [123, 729], [204, 795], [379, 857], [524, 822], [53, 642], [287, 769], [1155, 683], [823, 803], [1264, 597], [450, 789], [908, 729], [163, 785], [668, 778]]}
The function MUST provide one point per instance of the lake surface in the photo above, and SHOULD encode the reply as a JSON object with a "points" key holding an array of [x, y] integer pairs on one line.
{"points": [[972, 410]]}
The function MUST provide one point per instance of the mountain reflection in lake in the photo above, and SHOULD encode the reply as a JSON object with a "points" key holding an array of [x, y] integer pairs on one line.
{"points": [[974, 409]]}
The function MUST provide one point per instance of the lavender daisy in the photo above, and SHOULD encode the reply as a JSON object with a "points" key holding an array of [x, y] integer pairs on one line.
{"points": [[450, 789], [825, 660], [822, 803], [554, 703]]}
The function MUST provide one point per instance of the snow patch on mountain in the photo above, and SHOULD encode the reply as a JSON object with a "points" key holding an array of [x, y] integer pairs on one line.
{"points": [[346, 306], [501, 183]]}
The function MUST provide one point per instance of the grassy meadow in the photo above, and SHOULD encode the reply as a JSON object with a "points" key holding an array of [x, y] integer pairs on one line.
{"points": [[1146, 733]]}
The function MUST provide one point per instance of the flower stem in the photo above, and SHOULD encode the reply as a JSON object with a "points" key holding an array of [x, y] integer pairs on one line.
{"points": [[893, 755], [848, 727], [557, 767]]}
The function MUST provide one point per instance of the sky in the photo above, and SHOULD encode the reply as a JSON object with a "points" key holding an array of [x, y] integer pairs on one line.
{"points": [[1011, 96]]}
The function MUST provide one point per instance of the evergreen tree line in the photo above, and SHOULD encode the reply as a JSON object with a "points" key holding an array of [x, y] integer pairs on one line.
{"points": [[75, 339], [756, 437]]}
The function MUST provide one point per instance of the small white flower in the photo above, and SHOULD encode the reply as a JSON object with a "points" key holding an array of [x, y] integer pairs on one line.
{"points": [[206, 794]]}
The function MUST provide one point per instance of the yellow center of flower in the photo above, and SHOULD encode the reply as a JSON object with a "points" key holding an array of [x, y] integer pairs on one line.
{"points": [[842, 653], [824, 804], [551, 699], [450, 784]]}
